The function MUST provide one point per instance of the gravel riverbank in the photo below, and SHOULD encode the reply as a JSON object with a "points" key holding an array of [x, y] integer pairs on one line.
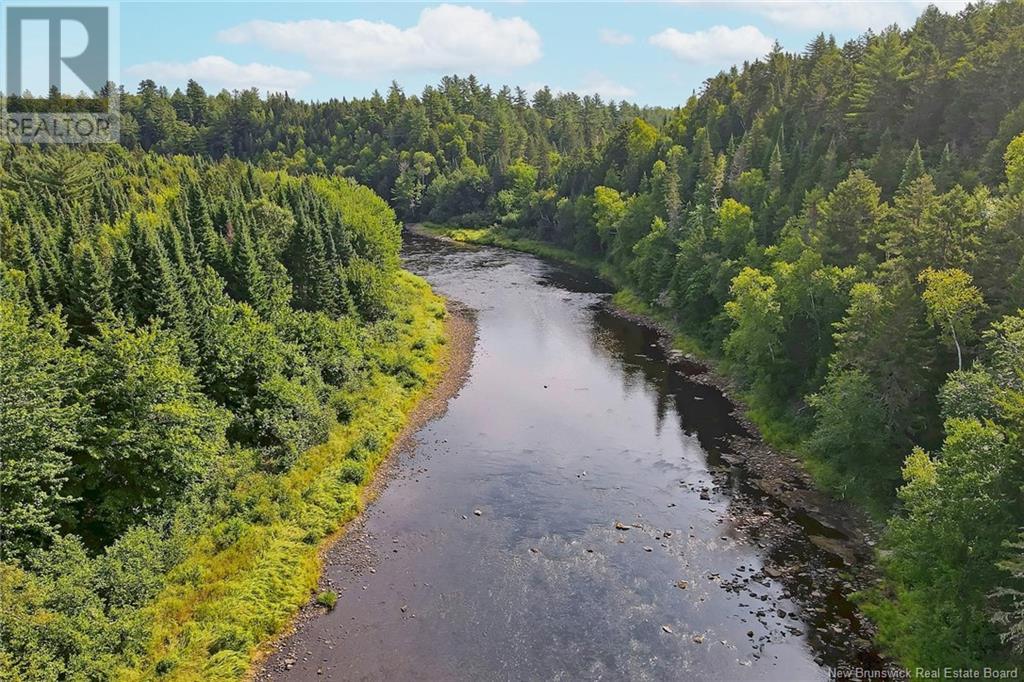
{"points": [[349, 547]]}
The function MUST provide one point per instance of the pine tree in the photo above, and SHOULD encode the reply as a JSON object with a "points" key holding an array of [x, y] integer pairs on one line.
{"points": [[91, 290], [775, 173], [948, 170], [248, 282], [913, 168]]}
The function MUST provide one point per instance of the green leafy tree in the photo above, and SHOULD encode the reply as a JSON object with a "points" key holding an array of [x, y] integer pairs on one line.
{"points": [[848, 220], [756, 314], [41, 422], [953, 302], [914, 167], [735, 228], [154, 434]]}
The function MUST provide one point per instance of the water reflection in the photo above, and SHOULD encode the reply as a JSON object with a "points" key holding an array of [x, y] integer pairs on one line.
{"points": [[615, 540]]}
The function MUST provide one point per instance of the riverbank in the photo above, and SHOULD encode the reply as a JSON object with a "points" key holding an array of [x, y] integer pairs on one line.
{"points": [[347, 545], [243, 580], [573, 514], [838, 528], [776, 431]]}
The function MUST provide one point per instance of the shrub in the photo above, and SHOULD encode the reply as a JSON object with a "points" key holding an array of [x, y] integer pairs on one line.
{"points": [[352, 471], [327, 599]]}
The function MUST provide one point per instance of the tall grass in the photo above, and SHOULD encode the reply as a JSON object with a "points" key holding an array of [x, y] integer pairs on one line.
{"points": [[244, 578]]}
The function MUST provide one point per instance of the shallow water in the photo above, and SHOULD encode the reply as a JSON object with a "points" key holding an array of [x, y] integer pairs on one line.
{"points": [[571, 420]]}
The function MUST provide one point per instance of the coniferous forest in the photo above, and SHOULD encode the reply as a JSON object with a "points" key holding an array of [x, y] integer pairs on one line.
{"points": [[179, 337], [207, 339]]}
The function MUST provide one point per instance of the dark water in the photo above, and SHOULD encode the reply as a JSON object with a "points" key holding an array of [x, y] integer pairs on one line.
{"points": [[570, 421]]}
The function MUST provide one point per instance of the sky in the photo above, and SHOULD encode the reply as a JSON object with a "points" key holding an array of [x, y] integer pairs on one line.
{"points": [[649, 53]]}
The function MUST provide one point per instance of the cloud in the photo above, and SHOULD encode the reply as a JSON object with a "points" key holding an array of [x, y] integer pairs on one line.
{"points": [[221, 72], [445, 38], [609, 36], [858, 15], [595, 83], [714, 45]]}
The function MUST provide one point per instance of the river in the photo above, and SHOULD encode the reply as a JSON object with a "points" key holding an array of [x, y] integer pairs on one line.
{"points": [[573, 515]]}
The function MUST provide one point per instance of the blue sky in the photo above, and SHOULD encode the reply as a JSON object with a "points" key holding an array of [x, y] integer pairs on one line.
{"points": [[650, 53]]}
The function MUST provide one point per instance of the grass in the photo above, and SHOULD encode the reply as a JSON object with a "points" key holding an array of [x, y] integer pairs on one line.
{"points": [[224, 599], [327, 599], [494, 237], [780, 428]]}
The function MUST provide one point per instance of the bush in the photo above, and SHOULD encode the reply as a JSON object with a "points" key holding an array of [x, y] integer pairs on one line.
{"points": [[371, 289], [353, 472], [327, 599]]}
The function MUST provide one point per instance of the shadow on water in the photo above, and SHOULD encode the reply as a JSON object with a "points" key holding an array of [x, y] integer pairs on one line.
{"points": [[583, 510], [835, 630], [702, 410]]}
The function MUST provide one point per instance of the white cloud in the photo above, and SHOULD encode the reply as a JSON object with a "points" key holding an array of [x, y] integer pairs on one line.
{"points": [[220, 72], [714, 45], [447, 37], [595, 83], [610, 36], [858, 15]]}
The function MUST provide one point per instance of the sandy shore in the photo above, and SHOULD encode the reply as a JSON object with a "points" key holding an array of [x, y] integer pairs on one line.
{"points": [[347, 546]]}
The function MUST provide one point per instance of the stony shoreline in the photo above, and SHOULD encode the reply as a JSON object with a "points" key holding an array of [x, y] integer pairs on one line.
{"points": [[842, 536]]}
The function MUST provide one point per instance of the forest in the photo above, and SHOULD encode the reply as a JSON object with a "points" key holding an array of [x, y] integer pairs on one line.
{"points": [[199, 364], [842, 228]]}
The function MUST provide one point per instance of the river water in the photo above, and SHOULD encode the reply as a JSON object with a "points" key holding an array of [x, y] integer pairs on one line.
{"points": [[571, 421]]}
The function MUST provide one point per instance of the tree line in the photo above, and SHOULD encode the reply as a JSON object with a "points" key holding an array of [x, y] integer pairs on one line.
{"points": [[843, 226]]}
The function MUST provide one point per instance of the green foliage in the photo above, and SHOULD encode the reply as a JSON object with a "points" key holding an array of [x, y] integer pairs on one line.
{"points": [[41, 418], [832, 221], [735, 228], [327, 599], [153, 436], [755, 310], [173, 449], [851, 427], [837, 225], [353, 471], [953, 302], [848, 220], [1015, 164]]}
